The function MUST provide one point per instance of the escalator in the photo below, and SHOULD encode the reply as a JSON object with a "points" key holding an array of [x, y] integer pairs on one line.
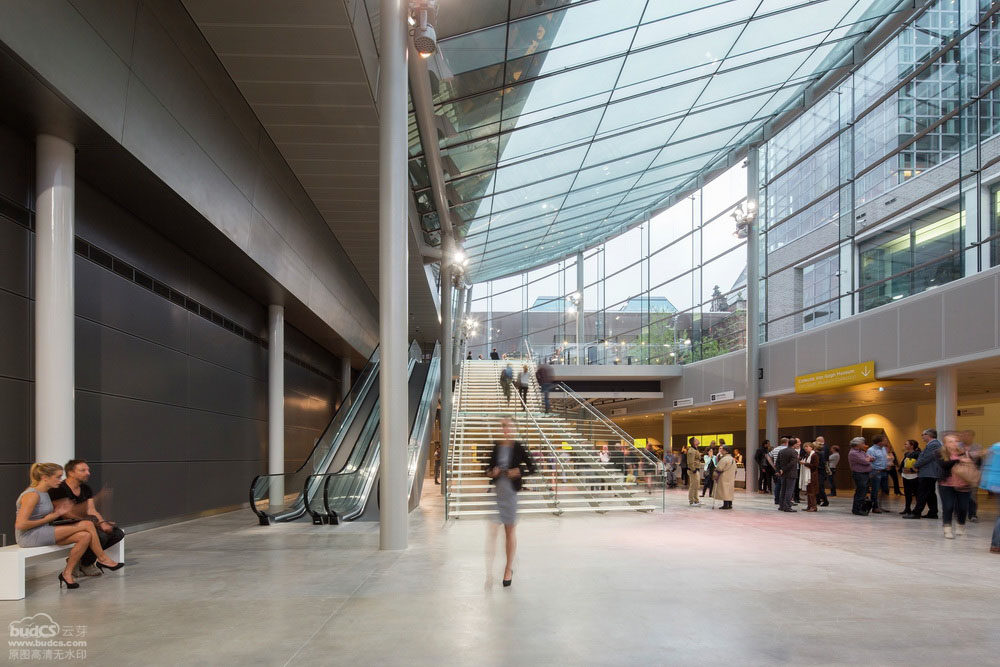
{"points": [[345, 449], [351, 492]]}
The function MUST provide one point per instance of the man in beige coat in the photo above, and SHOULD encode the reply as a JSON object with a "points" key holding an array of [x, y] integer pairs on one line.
{"points": [[694, 465], [725, 481]]}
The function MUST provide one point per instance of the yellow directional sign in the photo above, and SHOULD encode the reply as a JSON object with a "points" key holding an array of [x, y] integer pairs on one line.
{"points": [[640, 443], [844, 376]]}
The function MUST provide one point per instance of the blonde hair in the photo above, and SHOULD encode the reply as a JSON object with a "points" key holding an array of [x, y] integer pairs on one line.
{"points": [[39, 470]]}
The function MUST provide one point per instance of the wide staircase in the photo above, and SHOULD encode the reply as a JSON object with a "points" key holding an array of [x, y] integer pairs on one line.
{"points": [[565, 445]]}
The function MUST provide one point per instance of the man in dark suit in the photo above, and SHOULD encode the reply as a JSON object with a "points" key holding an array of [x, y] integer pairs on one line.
{"points": [[788, 465], [928, 467]]}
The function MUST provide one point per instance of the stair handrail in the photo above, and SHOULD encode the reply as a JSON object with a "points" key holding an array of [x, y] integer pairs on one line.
{"points": [[552, 450], [601, 417]]}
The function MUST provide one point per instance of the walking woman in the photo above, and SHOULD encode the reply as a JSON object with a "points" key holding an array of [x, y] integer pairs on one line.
{"points": [[725, 482], [35, 514], [509, 463], [809, 476], [954, 487], [908, 471]]}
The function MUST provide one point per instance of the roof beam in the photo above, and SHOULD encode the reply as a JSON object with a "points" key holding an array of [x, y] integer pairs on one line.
{"points": [[423, 105]]}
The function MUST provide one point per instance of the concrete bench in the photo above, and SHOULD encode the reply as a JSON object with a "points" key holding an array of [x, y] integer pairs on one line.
{"points": [[14, 559]]}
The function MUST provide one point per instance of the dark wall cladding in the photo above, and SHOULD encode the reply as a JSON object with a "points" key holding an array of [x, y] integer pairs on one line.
{"points": [[171, 368]]}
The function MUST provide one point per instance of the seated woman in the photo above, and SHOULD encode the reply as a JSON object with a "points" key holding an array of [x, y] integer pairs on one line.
{"points": [[35, 514]]}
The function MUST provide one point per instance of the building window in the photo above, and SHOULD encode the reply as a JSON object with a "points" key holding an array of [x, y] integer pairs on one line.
{"points": [[995, 226], [918, 256], [820, 287]]}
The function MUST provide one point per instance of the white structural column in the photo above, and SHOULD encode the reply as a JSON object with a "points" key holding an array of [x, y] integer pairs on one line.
{"points": [[580, 321], [753, 314], [446, 370], [393, 231], [668, 431], [276, 403], [459, 326], [345, 377], [771, 421], [947, 399], [55, 423], [468, 316]]}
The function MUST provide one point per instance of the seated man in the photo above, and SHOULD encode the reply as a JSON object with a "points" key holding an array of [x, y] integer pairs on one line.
{"points": [[75, 489]]}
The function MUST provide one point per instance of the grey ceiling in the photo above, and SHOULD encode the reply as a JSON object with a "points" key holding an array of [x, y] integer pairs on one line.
{"points": [[301, 68]]}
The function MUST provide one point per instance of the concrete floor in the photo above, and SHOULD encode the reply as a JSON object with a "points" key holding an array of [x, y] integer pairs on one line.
{"points": [[689, 585]]}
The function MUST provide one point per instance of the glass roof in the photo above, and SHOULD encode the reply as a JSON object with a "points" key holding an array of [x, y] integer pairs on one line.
{"points": [[566, 126]]}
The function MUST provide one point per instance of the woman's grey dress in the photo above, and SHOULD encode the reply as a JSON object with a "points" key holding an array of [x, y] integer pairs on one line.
{"points": [[39, 536], [506, 495]]}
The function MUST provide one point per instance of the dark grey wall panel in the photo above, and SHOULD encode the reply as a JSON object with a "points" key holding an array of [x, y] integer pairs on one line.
{"points": [[211, 342], [15, 167], [139, 492], [123, 305], [113, 362], [15, 256], [217, 389], [114, 428], [214, 436], [299, 443], [15, 329], [15, 418]]}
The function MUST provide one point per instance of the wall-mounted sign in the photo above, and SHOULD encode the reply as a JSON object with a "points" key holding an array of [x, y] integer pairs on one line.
{"points": [[845, 376], [683, 402], [617, 412], [972, 412], [566, 445], [640, 443], [722, 396]]}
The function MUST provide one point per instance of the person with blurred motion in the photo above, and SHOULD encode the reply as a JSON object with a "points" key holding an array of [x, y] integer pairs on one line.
{"points": [[977, 454], [928, 467], [76, 490], [959, 476], [509, 463], [694, 464], [833, 460], [908, 471], [809, 475], [880, 461], [523, 382], [861, 468], [788, 464], [35, 514], [494, 355], [991, 483], [507, 381], [725, 482], [544, 375]]}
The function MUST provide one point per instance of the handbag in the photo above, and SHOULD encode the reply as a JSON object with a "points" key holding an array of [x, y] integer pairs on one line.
{"points": [[967, 472]]}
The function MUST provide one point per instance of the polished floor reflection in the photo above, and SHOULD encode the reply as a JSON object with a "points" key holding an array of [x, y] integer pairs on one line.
{"points": [[685, 586]]}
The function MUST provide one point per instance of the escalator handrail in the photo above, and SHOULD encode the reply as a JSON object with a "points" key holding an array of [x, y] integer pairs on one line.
{"points": [[374, 443], [348, 409]]}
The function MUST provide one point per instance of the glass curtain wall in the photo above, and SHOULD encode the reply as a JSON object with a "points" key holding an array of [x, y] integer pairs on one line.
{"points": [[886, 187], [670, 290]]}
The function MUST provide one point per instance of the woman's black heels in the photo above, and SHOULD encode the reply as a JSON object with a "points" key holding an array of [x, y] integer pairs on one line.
{"points": [[506, 582], [69, 584], [104, 567]]}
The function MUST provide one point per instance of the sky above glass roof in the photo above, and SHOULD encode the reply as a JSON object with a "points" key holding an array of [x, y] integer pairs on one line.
{"points": [[566, 126]]}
